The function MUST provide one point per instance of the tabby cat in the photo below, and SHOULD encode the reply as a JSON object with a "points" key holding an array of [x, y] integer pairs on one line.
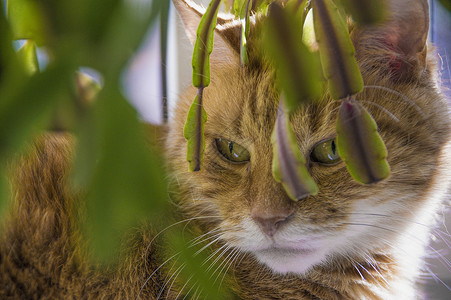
{"points": [[350, 241]]}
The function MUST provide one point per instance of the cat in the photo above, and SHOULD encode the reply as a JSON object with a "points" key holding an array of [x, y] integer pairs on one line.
{"points": [[350, 241]]}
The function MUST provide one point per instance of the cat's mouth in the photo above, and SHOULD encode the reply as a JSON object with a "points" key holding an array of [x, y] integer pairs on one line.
{"points": [[284, 260], [293, 258], [277, 250]]}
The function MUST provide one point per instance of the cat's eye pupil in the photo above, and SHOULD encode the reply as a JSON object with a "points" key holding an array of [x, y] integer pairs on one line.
{"points": [[232, 151], [325, 153], [231, 147]]}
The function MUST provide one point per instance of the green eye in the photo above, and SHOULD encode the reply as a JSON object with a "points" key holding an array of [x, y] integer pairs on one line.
{"points": [[232, 151], [325, 153]]}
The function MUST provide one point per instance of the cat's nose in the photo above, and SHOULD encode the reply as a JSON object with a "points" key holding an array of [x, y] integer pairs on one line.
{"points": [[270, 221]]}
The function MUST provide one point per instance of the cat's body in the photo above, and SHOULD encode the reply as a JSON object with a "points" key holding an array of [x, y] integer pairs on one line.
{"points": [[350, 241]]}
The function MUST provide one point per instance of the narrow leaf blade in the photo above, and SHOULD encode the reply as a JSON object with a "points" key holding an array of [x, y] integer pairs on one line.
{"points": [[244, 19], [288, 164], [359, 144], [194, 133], [336, 50], [204, 45]]}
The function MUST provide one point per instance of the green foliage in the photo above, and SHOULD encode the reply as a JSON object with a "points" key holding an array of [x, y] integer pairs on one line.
{"points": [[197, 268], [27, 20], [194, 133], [27, 55], [288, 164], [194, 126], [366, 11], [336, 50], [297, 68], [245, 28], [204, 45], [359, 144], [122, 179]]}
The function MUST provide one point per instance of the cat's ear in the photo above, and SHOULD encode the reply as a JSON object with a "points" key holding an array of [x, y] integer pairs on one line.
{"points": [[227, 32], [400, 40]]}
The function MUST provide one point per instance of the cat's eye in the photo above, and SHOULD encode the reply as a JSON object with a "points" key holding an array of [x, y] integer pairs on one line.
{"points": [[325, 153], [232, 151]]}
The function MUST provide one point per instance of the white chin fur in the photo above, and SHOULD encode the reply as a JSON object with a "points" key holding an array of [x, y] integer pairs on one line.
{"points": [[289, 261]]}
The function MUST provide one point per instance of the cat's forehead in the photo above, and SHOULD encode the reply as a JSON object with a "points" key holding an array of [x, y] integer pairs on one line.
{"points": [[242, 106]]}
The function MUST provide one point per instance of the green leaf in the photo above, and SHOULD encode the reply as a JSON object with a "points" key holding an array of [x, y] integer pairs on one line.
{"points": [[237, 7], [336, 50], [288, 163], [27, 54], [8, 58], [194, 133], [123, 178], [197, 269], [26, 19], [366, 11], [245, 27], [297, 68], [359, 144], [26, 107], [204, 45], [128, 25], [300, 7], [446, 4]]}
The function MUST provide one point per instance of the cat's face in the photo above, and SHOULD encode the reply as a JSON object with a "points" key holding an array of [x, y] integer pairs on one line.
{"points": [[236, 192]]}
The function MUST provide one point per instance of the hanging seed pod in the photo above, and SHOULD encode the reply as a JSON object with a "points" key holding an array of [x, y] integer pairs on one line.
{"points": [[359, 144], [288, 163], [296, 67], [336, 50], [193, 130], [366, 12]]}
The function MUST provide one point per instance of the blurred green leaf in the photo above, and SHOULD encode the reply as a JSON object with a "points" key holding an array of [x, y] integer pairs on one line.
{"points": [[288, 163], [193, 131], [26, 107], [86, 22], [245, 27], [446, 4], [194, 269], [27, 20], [125, 179], [366, 11], [237, 7], [297, 68], [28, 56], [204, 45], [359, 144], [336, 50]]}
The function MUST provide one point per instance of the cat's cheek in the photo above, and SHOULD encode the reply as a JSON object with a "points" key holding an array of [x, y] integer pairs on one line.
{"points": [[295, 263]]}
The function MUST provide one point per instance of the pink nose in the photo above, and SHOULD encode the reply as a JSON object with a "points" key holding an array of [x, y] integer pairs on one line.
{"points": [[270, 222]]}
